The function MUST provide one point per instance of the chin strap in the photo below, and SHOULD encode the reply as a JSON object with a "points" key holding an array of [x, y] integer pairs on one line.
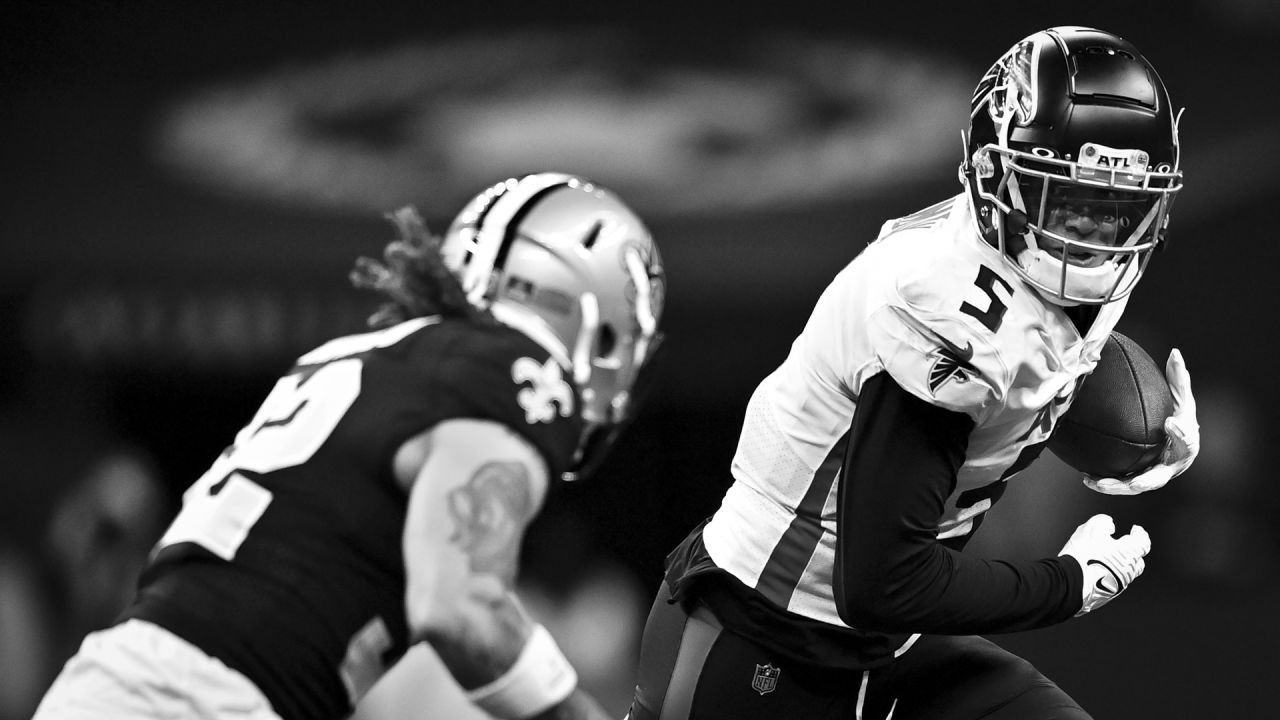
{"points": [[1015, 224]]}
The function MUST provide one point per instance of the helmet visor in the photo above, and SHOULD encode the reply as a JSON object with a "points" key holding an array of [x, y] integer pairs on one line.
{"points": [[1083, 222], [1087, 225]]}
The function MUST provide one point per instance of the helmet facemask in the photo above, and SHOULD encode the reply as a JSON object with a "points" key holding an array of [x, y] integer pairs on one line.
{"points": [[607, 358], [614, 371], [1079, 232]]}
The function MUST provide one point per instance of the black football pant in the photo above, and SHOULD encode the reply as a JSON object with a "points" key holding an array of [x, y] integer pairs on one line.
{"points": [[693, 669]]}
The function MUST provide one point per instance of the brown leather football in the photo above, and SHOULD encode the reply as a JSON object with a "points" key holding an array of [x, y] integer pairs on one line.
{"points": [[1115, 425]]}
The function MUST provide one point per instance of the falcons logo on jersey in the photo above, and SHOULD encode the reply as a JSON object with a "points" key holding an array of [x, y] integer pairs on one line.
{"points": [[950, 362], [547, 389]]}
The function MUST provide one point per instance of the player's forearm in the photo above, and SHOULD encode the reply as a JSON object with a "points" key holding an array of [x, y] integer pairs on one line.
{"points": [[892, 573], [481, 641], [508, 665], [944, 592]]}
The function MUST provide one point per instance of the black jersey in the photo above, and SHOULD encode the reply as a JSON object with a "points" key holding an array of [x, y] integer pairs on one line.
{"points": [[285, 561]]}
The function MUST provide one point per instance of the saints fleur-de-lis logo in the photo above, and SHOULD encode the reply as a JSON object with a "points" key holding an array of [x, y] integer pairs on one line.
{"points": [[547, 389]]}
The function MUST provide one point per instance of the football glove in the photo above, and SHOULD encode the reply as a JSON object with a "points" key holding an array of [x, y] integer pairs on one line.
{"points": [[1181, 447], [1109, 563]]}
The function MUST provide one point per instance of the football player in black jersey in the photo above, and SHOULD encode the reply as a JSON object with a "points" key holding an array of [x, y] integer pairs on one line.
{"points": [[830, 583], [380, 495]]}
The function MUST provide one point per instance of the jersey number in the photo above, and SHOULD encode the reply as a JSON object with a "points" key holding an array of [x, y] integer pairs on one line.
{"points": [[994, 314], [294, 421], [993, 491]]}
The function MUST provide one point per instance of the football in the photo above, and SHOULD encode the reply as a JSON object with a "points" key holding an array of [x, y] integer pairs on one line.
{"points": [[1115, 426]]}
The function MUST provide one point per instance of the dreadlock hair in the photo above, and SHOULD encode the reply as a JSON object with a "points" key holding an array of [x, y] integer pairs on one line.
{"points": [[413, 275]]}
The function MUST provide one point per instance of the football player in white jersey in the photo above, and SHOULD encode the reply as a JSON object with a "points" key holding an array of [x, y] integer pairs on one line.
{"points": [[830, 583], [380, 495]]}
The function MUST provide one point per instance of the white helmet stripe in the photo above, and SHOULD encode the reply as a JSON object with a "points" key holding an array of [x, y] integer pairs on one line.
{"points": [[513, 225], [497, 228], [492, 196]]}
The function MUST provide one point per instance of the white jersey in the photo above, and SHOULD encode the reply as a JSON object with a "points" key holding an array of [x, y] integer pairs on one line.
{"points": [[939, 310]]}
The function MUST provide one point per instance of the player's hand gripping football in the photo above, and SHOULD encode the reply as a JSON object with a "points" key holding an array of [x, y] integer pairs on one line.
{"points": [[1181, 447], [1109, 563]]}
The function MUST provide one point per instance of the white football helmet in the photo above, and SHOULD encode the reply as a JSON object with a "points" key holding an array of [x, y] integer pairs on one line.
{"points": [[570, 265], [1073, 125]]}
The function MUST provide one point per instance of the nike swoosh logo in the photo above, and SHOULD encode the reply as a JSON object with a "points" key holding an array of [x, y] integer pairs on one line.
{"points": [[963, 354], [1115, 577]]}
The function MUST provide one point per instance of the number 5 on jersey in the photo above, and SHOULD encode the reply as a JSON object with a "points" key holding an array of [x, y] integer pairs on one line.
{"points": [[994, 314]]}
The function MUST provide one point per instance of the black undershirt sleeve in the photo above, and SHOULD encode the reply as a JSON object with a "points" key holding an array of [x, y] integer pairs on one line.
{"points": [[892, 574]]}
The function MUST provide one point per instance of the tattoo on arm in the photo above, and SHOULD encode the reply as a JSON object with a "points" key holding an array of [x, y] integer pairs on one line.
{"points": [[489, 514]]}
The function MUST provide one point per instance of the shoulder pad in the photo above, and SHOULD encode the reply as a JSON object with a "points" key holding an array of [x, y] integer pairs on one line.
{"points": [[512, 379], [938, 358]]}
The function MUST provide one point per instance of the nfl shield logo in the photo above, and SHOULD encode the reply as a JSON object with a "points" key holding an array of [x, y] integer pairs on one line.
{"points": [[766, 678]]}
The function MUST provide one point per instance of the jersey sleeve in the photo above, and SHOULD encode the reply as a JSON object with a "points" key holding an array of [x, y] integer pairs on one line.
{"points": [[932, 352], [892, 574], [505, 377]]}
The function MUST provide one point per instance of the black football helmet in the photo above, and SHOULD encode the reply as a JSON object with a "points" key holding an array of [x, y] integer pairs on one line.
{"points": [[1073, 120]]}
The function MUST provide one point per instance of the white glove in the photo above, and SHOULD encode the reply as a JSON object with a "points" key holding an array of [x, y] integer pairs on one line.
{"points": [[1109, 563], [1181, 447]]}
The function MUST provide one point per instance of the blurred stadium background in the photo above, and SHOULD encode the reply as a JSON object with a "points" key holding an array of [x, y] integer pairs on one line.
{"points": [[187, 184]]}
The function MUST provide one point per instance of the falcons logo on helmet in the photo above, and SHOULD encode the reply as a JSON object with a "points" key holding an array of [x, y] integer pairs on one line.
{"points": [[951, 362], [1006, 88]]}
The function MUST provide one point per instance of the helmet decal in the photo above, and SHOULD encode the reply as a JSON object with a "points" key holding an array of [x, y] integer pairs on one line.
{"points": [[1013, 98], [1113, 165], [1006, 88], [645, 269]]}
